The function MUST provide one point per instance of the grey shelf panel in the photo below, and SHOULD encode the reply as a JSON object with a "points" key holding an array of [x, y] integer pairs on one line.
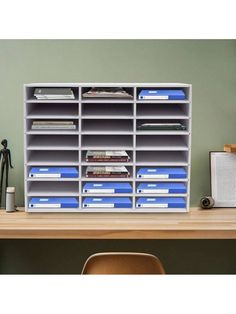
{"points": [[148, 101], [162, 132], [53, 210], [160, 180], [107, 101], [66, 132], [53, 179], [51, 101], [84, 179], [104, 163]]}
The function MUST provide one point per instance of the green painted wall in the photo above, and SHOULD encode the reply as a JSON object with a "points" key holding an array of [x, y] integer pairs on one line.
{"points": [[210, 65]]}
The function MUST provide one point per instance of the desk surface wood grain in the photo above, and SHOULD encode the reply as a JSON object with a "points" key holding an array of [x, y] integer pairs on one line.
{"points": [[197, 224]]}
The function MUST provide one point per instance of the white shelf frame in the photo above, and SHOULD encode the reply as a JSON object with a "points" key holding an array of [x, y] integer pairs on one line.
{"points": [[84, 113]]}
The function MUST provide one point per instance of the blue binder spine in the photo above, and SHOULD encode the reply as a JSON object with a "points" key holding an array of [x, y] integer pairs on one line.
{"points": [[53, 202], [53, 172], [93, 202], [106, 188], [161, 202]]}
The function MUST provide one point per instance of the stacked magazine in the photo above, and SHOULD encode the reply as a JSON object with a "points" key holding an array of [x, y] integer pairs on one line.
{"points": [[161, 127], [54, 93], [107, 155], [107, 172], [107, 92], [53, 125]]}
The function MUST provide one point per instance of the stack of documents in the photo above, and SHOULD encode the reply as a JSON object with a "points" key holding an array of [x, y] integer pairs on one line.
{"points": [[162, 173], [162, 188], [156, 94], [107, 155], [104, 202], [53, 202], [107, 92], [104, 188], [53, 125], [53, 172], [161, 202], [107, 172], [54, 93]]}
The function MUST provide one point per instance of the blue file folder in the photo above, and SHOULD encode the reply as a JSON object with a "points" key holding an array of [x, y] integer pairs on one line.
{"points": [[107, 188], [111, 202], [162, 188], [161, 202], [167, 94], [53, 202], [53, 172], [162, 173]]}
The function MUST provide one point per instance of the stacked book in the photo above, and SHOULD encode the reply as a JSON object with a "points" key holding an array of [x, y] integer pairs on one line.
{"points": [[55, 125], [107, 172], [107, 156], [54, 93]]}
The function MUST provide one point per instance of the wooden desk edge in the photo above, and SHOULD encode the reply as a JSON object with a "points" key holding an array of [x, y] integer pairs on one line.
{"points": [[215, 224], [117, 234]]}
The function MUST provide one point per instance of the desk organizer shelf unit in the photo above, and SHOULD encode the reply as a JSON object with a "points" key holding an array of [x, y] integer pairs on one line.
{"points": [[105, 124]]}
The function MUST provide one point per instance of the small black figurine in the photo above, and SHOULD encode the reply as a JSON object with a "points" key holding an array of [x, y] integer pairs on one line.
{"points": [[5, 159]]}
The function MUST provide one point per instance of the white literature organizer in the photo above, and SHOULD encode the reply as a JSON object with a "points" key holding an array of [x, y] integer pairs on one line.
{"points": [[144, 130]]}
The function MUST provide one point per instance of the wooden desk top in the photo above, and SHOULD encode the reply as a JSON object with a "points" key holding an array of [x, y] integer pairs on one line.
{"points": [[197, 224]]}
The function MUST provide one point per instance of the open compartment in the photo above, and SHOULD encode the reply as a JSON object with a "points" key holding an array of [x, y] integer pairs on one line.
{"points": [[48, 110], [162, 157], [40, 157], [184, 88], [30, 92], [103, 110], [162, 142], [107, 142], [163, 111], [51, 142], [55, 188], [108, 126]]}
